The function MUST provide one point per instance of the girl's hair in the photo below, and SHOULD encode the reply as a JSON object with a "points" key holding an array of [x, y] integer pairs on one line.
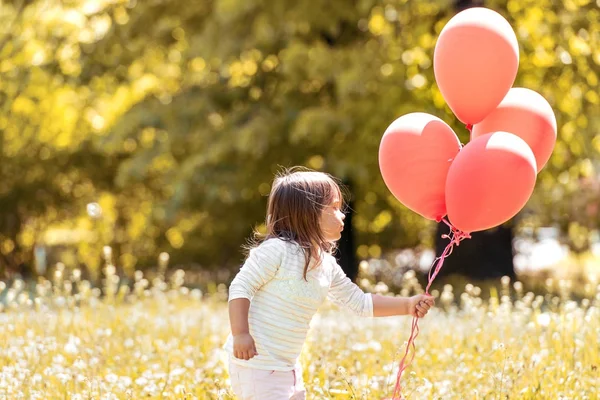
{"points": [[297, 199]]}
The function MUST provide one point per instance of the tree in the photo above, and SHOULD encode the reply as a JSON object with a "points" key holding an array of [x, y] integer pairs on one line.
{"points": [[270, 94], [555, 60], [346, 251], [293, 87], [175, 116], [46, 164]]}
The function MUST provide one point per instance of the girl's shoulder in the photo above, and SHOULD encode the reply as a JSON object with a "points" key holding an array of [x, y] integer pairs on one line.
{"points": [[273, 242], [277, 245], [329, 260]]}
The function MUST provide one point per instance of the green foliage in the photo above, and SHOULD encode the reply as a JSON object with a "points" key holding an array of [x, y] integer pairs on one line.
{"points": [[560, 59], [175, 115]]}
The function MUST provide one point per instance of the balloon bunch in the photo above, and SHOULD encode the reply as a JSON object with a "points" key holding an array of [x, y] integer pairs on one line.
{"points": [[513, 133]]}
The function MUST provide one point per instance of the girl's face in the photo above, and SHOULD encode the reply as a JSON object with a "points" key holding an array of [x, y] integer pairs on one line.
{"points": [[332, 221]]}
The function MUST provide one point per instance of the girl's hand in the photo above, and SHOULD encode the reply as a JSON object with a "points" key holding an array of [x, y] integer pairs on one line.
{"points": [[244, 347], [420, 305]]}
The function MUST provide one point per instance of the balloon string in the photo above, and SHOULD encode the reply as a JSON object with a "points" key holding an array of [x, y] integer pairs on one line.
{"points": [[455, 236]]}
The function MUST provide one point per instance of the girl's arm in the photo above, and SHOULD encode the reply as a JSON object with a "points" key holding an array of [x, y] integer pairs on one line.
{"points": [[243, 344], [346, 293], [238, 316], [260, 267], [417, 306]]}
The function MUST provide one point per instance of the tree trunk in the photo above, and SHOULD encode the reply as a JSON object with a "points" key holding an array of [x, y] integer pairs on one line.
{"points": [[461, 5], [346, 254], [488, 254]]}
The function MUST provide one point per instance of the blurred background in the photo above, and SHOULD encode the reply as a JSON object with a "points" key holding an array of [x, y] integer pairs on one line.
{"points": [[151, 130]]}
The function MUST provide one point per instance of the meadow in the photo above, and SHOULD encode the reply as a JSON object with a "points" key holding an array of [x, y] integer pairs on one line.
{"points": [[156, 338]]}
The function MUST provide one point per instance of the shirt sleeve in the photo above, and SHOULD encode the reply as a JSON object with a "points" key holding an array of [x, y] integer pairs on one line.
{"points": [[345, 293], [259, 268]]}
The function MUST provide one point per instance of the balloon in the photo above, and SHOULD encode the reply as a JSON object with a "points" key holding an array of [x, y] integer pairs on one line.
{"points": [[528, 115], [475, 62], [415, 154], [490, 181]]}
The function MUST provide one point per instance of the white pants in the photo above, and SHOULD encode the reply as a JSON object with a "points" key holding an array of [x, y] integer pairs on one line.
{"points": [[259, 384]]}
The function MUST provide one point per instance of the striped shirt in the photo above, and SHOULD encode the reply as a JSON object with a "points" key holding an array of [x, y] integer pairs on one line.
{"points": [[282, 303]]}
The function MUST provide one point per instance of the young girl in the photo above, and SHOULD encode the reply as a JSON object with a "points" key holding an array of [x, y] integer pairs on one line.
{"points": [[284, 281]]}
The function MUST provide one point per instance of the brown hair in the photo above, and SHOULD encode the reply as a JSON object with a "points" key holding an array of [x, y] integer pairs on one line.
{"points": [[297, 199]]}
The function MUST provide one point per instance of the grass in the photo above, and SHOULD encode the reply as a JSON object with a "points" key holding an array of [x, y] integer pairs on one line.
{"points": [[161, 340]]}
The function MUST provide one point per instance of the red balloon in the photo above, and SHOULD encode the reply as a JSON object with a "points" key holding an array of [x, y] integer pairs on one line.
{"points": [[528, 115], [490, 181], [475, 62], [415, 154]]}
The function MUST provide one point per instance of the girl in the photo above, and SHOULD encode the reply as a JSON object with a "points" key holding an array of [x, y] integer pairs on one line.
{"points": [[284, 281]]}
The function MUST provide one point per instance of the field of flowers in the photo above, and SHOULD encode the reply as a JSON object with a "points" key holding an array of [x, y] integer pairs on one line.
{"points": [[158, 339]]}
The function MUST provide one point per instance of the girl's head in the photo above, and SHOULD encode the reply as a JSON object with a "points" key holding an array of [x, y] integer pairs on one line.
{"points": [[306, 207]]}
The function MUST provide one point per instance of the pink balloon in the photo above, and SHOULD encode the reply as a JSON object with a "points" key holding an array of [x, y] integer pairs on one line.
{"points": [[490, 181], [528, 115], [415, 154], [475, 62]]}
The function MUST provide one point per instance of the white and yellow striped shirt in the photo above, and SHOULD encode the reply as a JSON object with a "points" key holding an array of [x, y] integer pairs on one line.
{"points": [[282, 303]]}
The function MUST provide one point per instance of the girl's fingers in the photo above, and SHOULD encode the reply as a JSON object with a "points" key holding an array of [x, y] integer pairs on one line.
{"points": [[426, 304], [245, 354], [421, 310], [429, 300]]}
